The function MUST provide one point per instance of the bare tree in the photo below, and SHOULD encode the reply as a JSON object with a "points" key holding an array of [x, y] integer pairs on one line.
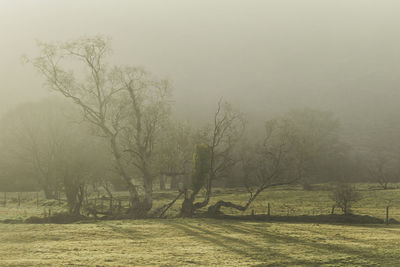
{"points": [[59, 153], [124, 104], [34, 136], [284, 156], [382, 169], [318, 147], [221, 137], [148, 110], [345, 195], [82, 163], [273, 162]]}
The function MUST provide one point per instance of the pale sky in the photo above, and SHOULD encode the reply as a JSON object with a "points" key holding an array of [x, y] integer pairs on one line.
{"points": [[264, 56]]}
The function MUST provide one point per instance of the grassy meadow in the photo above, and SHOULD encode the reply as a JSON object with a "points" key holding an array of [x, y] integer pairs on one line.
{"points": [[189, 242], [209, 242]]}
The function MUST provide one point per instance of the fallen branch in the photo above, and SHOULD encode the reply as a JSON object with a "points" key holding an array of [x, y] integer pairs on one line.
{"points": [[217, 206], [166, 207]]}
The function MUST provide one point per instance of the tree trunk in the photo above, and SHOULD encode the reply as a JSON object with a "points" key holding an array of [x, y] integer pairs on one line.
{"points": [[75, 193], [174, 183], [49, 192], [207, 198], [162, 182], [79, 200], [187, 209], [135, 203], [140, 208], [108, 190], [186, 181], [148, 188]]}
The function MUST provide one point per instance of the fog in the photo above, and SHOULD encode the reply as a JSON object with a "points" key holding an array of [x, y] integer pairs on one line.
{"points": [[264, 56], [280, 114]]}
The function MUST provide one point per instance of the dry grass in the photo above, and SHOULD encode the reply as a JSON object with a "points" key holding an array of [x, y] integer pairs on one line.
{"points": [[27, 206], [207, 242]]}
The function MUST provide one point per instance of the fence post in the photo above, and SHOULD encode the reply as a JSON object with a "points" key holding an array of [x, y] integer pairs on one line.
{"points": [[387, 215], [5, 199], [111, 204], [269, 209]]}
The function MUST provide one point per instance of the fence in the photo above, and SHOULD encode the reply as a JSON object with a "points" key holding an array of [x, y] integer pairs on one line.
{"points": [[105, 204], [38, 199]]}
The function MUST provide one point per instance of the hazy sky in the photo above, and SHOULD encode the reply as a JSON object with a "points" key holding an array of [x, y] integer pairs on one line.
{"points": [[265, 56]]}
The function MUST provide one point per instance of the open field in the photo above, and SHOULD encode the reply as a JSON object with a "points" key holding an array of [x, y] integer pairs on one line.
{"points": [[187, 242], [211, 242]]}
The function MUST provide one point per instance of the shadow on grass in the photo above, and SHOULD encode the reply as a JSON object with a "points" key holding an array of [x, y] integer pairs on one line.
{"points": [[128, 233], [370, 254], [238, 246], [12, 221]]}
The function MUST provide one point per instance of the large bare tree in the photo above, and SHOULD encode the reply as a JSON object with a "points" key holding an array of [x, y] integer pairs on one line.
{"points": [[126, 105]]}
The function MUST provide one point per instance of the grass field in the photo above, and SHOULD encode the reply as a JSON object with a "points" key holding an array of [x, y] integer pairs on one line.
{"points": [[187, 242], [210, 242]]}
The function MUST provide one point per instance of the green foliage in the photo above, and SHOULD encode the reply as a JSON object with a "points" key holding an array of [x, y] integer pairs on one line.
{"points": [[201, 162]]}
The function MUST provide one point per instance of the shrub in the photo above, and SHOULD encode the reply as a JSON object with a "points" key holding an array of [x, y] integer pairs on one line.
{"points": [[344, 196]]}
